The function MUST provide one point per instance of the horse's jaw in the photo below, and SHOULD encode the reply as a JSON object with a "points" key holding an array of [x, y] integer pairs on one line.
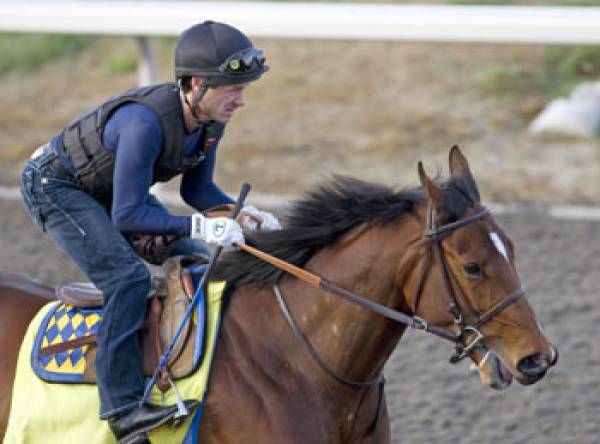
{"points": [[493, 373]]}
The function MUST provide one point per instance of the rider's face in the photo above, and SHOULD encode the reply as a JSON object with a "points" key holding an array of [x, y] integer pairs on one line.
{"points": [[220, 102]]}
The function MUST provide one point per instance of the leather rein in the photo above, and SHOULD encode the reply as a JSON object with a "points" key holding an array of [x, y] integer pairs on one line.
{"points": [[435, 235]]}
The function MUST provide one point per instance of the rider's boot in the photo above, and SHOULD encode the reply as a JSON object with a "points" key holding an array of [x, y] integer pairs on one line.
{"points": [[131, 427]]}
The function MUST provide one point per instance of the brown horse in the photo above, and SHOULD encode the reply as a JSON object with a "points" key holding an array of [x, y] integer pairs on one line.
{"points": [[291, 358]]}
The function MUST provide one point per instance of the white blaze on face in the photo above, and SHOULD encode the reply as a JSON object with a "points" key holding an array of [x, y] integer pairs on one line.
{"points": [[499, 245]]}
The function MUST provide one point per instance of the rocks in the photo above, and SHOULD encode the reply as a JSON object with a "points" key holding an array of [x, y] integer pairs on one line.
{"points": [[577, 115]]}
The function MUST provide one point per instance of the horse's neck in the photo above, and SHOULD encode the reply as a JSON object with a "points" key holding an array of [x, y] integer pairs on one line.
{"points": [[353, 341], [261, 365]]}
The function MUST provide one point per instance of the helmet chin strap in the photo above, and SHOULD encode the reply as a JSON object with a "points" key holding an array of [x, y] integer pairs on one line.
{"points": [[195, 105]]}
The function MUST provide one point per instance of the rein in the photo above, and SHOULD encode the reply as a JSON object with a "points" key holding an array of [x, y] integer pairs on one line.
{"points": [[435, 236], [320, 282]]}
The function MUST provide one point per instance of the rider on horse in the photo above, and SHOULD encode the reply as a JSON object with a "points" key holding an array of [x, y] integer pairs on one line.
{"points": [[89, 188]]}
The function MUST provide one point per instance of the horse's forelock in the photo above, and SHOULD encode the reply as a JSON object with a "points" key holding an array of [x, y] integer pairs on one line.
{"points": [[460, 194]]}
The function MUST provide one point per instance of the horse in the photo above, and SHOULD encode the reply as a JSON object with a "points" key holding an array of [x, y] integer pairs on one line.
{"points": [[297, 364]]}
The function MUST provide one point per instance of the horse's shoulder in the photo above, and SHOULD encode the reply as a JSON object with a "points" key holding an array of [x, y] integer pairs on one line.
{"points": [[18, 281]]}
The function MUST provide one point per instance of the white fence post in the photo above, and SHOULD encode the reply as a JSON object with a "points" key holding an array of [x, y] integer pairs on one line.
{"points": [[147, 60]]}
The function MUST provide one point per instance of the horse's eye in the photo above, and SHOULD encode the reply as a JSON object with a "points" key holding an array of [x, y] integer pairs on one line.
{"points": [[473, 269]]}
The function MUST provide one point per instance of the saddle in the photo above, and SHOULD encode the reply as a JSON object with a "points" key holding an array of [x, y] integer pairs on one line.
{"points": [[65, 348]]}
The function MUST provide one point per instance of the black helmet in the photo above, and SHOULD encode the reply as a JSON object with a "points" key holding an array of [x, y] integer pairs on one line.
{"points": [[218, 53]]}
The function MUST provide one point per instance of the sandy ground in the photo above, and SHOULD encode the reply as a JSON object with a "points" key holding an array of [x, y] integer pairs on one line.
{"points": [[430, 400]]}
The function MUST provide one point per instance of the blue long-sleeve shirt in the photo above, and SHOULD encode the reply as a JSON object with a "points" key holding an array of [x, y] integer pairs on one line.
{"points": [[133, 132]]}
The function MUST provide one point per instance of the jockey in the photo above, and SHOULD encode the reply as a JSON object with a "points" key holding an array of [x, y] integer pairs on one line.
{"points": [[89, 188]]}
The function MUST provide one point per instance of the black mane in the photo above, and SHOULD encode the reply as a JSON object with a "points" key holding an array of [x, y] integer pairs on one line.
{"points": [[321, 217]]}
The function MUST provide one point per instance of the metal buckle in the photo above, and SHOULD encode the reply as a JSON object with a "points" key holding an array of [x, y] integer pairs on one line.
{"points": [[419, 323], [457, 315], [462, 350], [474, 342]]}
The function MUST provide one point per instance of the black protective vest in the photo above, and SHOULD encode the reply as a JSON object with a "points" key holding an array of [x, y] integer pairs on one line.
{"points": [[94, 164]]}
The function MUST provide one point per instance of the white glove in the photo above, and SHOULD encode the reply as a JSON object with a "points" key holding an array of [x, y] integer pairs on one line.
{"points": [[216, 230], [259, 219]]}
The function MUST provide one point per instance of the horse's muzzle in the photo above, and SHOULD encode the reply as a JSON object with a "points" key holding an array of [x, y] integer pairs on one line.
{"points": [[535, 366]]}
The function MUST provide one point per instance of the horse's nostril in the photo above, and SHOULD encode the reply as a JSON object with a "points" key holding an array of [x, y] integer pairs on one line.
{"points": [[533, 365]]}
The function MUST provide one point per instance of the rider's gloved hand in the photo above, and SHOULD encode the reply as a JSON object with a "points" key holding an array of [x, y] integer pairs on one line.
{"points": [[220, 231], [253, 219]]}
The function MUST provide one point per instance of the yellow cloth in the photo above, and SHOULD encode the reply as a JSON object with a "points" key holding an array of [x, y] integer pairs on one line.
{"points": [[68, 413]]}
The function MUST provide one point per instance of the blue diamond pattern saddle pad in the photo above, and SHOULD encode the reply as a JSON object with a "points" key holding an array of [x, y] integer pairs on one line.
{"points": [[59, 413], [65, 323]]}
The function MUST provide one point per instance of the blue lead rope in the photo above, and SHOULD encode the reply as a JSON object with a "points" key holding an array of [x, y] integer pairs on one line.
{"points": [[182, 411]]}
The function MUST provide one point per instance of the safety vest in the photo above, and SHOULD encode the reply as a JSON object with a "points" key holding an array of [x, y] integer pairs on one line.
{"points": [[81, 140]]}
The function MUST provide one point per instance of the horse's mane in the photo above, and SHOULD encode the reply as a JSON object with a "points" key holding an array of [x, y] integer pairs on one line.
{"points": [[321, 217]]}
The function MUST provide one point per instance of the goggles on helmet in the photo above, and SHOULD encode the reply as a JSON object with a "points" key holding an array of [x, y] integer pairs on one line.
{"points": [[243, 61]]}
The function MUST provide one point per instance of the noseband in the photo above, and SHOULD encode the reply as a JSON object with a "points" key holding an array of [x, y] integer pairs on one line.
{"points": [[435, 236]]}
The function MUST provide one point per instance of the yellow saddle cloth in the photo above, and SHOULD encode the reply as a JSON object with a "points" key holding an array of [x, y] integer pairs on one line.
{"points": [[52, 413]]}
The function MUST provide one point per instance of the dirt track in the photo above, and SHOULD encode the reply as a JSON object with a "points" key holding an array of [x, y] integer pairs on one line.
{"points": [[430, 400]]}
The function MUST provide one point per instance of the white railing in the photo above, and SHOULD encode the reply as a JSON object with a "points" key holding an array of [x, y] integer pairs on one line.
{"points": [[429, 23], [498, 24]]}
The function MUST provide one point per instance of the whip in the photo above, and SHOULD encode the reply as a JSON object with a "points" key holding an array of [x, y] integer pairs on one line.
{"points": [[182, 411]]}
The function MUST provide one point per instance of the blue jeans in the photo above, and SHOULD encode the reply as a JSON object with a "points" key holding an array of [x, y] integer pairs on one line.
{"points": [[83, 229]]}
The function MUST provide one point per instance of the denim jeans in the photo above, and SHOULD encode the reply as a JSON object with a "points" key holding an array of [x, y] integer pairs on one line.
{"points": [[83, 228]]}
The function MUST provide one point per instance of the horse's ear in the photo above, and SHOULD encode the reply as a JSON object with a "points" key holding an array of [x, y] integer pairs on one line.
{"points": [[458, 163], [433, 190], [460, 167]]}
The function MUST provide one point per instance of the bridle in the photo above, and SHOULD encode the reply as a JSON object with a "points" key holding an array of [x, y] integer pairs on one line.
{"points": [[434, 235]]}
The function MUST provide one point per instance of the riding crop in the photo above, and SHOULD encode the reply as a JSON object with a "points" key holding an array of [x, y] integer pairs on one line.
{"points": [[199, 294]]}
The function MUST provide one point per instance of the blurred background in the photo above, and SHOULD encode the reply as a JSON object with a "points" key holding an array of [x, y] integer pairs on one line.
{"points": [[372, 109]]}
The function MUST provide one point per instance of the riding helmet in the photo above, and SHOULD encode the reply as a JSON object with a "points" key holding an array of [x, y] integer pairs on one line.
{"points": [[219, 53]]}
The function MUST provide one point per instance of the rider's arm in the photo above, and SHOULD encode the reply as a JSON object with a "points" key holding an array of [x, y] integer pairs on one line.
{"points": [[135, 135], [199, 190]]}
